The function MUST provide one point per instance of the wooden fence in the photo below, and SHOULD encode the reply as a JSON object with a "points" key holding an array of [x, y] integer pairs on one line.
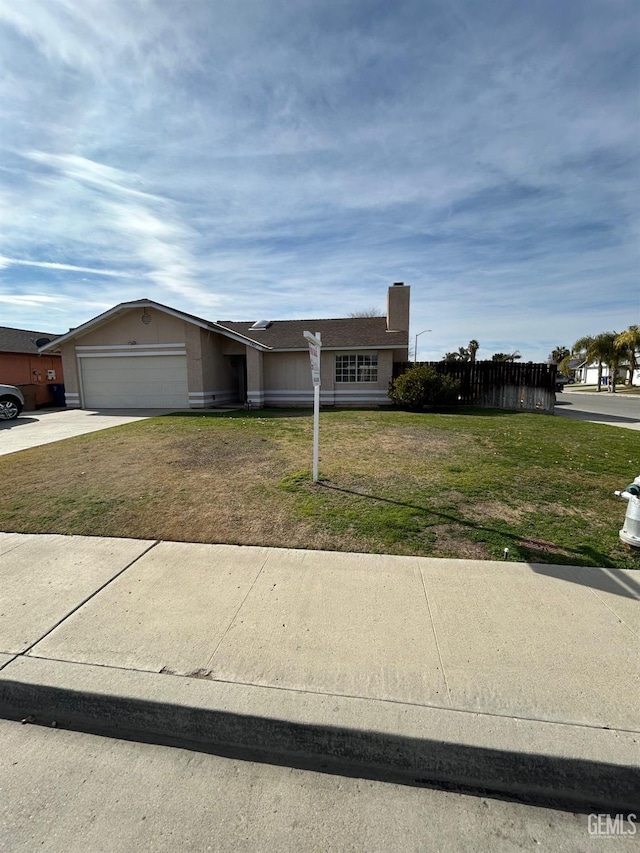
{"points": [[497, 384]]}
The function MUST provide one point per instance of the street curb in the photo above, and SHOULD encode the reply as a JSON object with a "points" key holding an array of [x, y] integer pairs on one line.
{"points": [[303, 737]]}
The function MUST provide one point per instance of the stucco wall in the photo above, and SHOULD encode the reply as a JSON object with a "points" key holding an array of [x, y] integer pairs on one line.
{"points": [[127, 330], [70, 368], [127, 327], [287, 381], [24, 369], [219, 382], [255, 377], [211, 377], [289, 371], [230, 347]]}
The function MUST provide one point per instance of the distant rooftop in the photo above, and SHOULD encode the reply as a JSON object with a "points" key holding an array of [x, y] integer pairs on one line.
{"points": [[22, 340]]}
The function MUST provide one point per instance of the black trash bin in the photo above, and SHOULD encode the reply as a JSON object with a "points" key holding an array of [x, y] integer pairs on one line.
{"points": [[57, 392]]}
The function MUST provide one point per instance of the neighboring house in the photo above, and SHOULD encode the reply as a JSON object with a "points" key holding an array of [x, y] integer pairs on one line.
{"points": [[21, 365], [143, 354], [587, 374]]}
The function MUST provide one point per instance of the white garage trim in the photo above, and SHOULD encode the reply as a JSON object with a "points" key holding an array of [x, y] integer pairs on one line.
{"points": [[131, 347], [134, 380], [128, 354]]}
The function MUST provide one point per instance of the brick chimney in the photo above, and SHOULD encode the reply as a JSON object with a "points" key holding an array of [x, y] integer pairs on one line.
{"points": [[398, 308]]}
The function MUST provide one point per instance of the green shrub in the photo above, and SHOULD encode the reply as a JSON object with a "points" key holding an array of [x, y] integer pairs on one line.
{"points": [[424, 386]]}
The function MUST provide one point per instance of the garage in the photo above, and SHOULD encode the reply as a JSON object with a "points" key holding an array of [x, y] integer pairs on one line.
{"points": [[135, 382]]}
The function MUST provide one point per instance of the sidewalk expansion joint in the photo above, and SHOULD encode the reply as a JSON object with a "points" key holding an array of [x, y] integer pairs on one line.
{"points": [[435, 637], [235, 615], [617, 615], [10, 550], [89, 597]]}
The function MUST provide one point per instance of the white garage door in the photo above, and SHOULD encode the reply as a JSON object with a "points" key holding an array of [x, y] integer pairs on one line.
{"points": [[135, 382]]}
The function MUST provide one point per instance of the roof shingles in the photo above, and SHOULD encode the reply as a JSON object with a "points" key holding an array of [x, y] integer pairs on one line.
{"points": [[338, 334], [21, 340]]}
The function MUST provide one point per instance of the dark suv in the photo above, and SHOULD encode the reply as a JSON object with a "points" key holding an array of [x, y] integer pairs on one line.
{"points": [[561, 381]]}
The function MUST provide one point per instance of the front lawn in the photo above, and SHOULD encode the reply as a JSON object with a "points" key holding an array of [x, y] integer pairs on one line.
{"points": [[467, 484]]}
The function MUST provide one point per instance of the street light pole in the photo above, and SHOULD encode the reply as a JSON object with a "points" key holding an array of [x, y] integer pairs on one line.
{"points": [[415, 352]]}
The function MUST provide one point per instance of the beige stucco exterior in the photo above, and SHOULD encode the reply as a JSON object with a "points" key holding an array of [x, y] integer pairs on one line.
{"points": [[130, 328], [287, 380], [220, 366], [212, 372]]}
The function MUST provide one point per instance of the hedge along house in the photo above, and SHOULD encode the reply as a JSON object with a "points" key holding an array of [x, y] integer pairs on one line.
{"points": [[146, 355]]}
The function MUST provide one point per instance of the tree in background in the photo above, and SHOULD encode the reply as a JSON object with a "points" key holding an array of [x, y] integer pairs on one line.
{"points": [[464, 353], [601, 349], [612, 356], [628, 343], [505, 356], [558, 355], [582, 350], [367, 312], [461, 355]]}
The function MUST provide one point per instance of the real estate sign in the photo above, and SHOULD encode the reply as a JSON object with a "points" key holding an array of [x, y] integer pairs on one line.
{"points": [[314, 354], [315, 345]]}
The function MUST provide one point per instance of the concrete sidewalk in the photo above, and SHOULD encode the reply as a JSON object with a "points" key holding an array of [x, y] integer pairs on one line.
{"points": [[513, 678]]}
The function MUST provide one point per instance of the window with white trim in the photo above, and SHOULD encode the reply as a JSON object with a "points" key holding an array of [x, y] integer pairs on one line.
{"points": [[357, 368]]}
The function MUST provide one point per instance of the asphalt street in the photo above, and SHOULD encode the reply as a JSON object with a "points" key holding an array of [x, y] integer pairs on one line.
{"points": [[606, 408]]}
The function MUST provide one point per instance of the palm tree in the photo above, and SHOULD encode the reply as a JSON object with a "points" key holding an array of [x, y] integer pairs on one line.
{"points": [[629, 345], [601, 349], [611, 355], [583, 348], [473, 348], [558, 354]]}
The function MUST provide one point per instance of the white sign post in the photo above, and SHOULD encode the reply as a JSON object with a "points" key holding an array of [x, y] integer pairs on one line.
{"points": [[315, 346]]}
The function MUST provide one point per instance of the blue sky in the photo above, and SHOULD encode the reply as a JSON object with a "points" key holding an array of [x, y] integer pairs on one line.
{"points": [[245, 159]]}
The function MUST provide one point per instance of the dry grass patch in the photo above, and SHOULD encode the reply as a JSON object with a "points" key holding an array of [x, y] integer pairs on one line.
{"points": [[463, 485], [489, 510], [451, 541], [541, 550]]}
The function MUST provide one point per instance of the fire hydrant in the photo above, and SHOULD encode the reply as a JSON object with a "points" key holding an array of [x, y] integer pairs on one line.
{"points": [[630, 533]]}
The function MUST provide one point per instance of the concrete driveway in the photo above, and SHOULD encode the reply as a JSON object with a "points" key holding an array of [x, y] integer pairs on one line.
{"points": [[45, 426]]}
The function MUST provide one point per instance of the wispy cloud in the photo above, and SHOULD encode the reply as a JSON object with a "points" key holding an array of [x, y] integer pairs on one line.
{"points": [[29, 299], [277, 159], [48, 265]]}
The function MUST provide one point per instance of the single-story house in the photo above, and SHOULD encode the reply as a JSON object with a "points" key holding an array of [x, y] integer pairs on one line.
{"points": [[21, 365], [144, 354], [587, 374]]}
